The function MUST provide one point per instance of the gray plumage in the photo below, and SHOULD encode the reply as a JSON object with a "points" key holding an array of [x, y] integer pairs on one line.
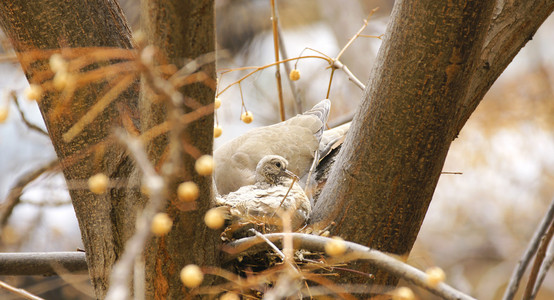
{"points": [[296, 139]]}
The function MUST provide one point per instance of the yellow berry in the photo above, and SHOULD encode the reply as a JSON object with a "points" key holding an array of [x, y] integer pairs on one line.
{"points": [[58, 63], [217, 102], [204, 165], [403, 293], [187, 191], [4, 111], [294, 75], [61, 80], [98, 183], [191, 276], [139, 37], [335, 247], [217, 131], [229, 296], [247, 117], [435, 275], [214, 218], [34, 92], [161, 224]]}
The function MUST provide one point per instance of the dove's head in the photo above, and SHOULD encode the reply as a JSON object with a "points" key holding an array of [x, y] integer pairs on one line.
{"points": [[272, 169]]}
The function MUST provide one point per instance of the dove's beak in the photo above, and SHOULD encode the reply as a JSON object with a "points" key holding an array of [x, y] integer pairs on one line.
{"points": [[291, 175]]}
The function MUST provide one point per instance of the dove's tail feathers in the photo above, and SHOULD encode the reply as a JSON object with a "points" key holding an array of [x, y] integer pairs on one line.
{"points": [[332, 138], [321, 111]]}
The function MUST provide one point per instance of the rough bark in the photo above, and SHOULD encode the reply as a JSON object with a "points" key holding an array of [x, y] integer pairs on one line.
{"points": [[44, 25], [513, 25], [181, 30], [391, 160]]}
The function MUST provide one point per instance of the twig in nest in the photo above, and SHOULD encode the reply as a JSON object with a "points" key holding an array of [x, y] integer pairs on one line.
{"points": [[281, 254]]}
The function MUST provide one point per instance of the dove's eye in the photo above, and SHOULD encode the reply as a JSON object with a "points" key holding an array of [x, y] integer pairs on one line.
{"points": [[278, 164]]}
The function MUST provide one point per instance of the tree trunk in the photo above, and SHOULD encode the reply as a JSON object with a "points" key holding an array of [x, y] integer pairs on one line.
{"points": [[44, 25], [400, 136], [181, 30], [107, 221], [391, 160]]}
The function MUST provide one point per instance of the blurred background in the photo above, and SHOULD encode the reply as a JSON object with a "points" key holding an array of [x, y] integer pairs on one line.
{"points": [[479, 223]]}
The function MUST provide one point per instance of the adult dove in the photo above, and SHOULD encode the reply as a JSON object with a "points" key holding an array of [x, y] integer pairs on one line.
{"points": [[264, 201], [296, 139]]}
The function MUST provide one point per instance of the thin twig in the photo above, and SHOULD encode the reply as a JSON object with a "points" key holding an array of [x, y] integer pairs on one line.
{"points": [[275, 19], [293, 88], [134, 246], [13, 197], [338, 65], [279, 252], [548, 261], [29, 124], [529, 253], [354, 252], [330, 82], [20, 292], [539, 258], [259, 68], [352, 39]]}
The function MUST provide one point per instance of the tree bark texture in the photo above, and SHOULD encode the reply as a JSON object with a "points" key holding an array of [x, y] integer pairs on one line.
{"points": [[45, 25], [181, 31], [391, 160], [513, 25]]}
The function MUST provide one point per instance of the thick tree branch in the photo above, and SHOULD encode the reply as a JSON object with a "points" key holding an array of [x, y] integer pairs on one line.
{"points": [[379, 189], [181, 31], [42, 263], [513, 24], [37, 29]]}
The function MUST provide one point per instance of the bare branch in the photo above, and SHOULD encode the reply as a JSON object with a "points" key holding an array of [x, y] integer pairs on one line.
{"points": [[548, 261], [539, 258], [13, 197], [29, 124], [529, 253], [43, 263], [337, 64], [275, 22], [512, 26], [298, 99]]}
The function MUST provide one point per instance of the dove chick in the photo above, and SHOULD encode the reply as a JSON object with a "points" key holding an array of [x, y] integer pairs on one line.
{"points": [[264, 201]]}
